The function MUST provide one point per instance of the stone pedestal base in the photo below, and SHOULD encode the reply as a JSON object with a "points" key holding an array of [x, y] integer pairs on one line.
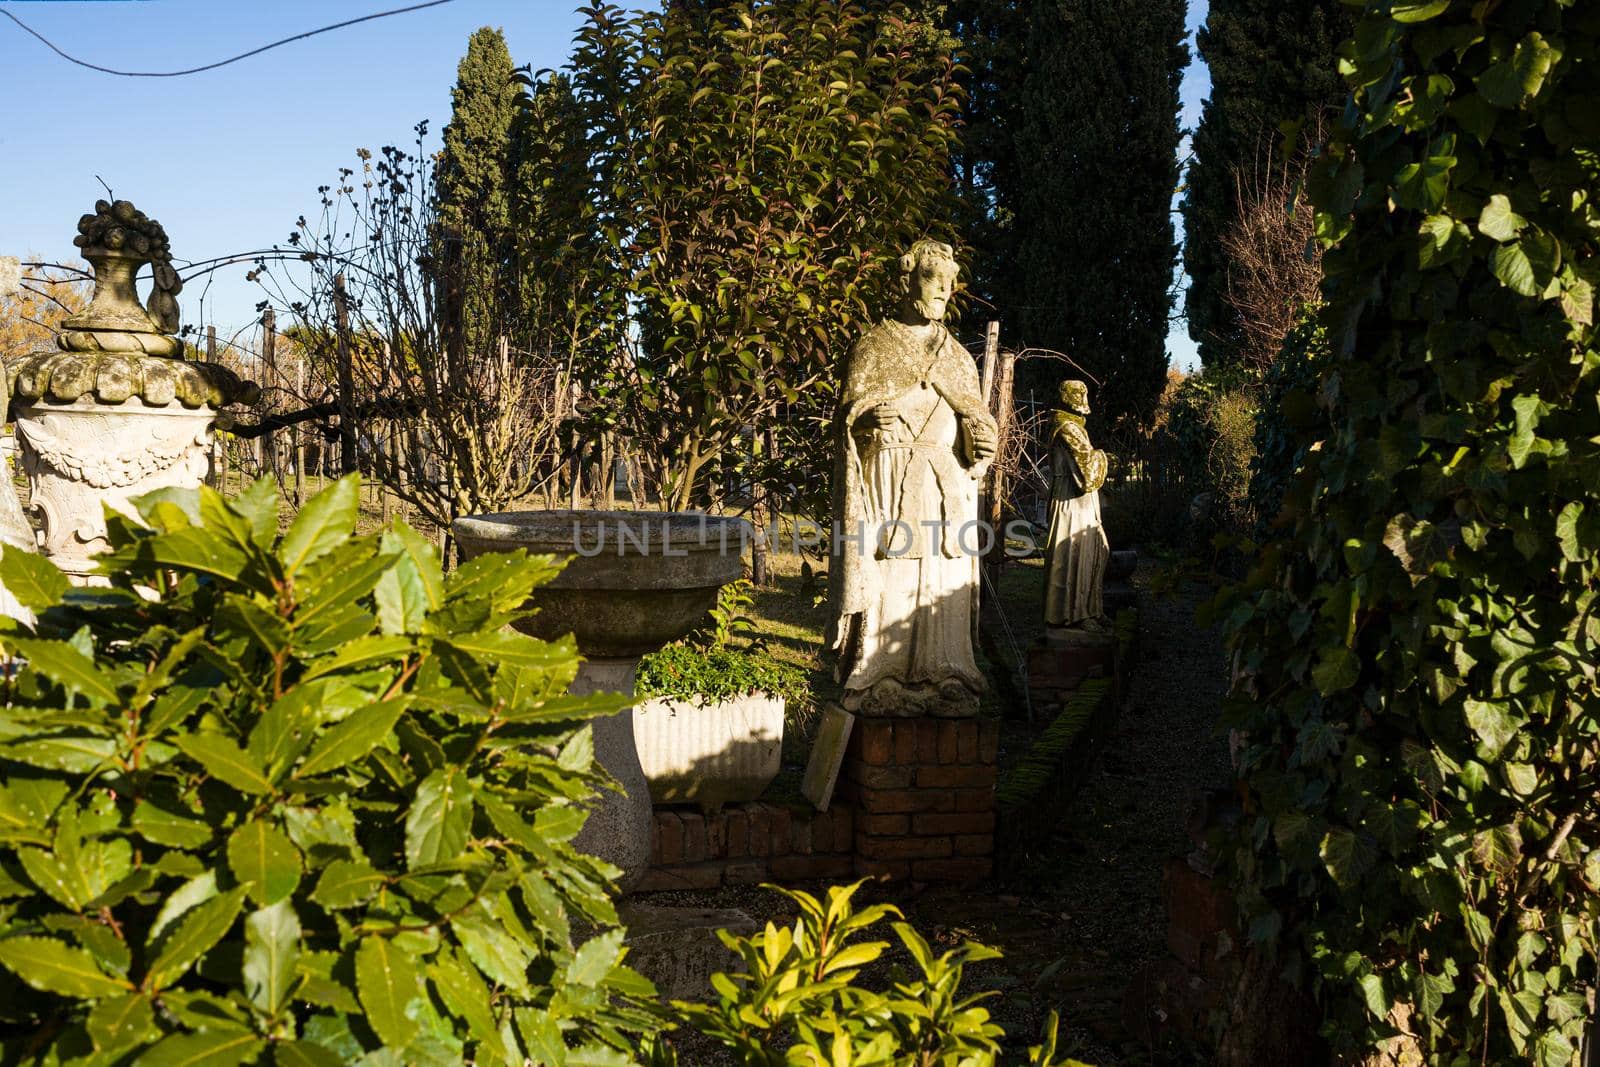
{"points": [[678, 948], [85, 455], [1063, 661], [618, 830]]}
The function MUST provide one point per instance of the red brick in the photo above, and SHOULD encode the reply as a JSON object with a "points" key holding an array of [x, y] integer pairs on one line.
{"points": [[717, 835], [988, 740], [877, 741], [901, 801], [779, 820], [746, 873], [884, 825], [737, 832], [883, 777], [905, 742], [905, 848], [974, 844], [843, 832], [949, 749], [704, 876], [966, 869], [801, 827], [894, 870], [927, 740], [694, 838], [671, 829], [967, 741], [970, 822], [814, 868], [1198, 910], [974, 799], [760, 829], [956, 777], [822, 830]]}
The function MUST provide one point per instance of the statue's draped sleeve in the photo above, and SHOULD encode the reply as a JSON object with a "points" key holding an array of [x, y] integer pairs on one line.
{"points": [[1089, 463]]}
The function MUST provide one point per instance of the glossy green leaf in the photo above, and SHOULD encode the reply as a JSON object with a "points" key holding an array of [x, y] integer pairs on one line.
{"points": [[55, 967], [271, 953], [208, 1048], [440, 820], [192, 937], [347, 884], [386, 981], [264, 861], [353, 738], [325, 522], [224, 760]]}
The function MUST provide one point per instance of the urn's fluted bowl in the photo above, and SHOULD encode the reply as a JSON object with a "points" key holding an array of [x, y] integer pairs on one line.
{"points": [[636, 580]]}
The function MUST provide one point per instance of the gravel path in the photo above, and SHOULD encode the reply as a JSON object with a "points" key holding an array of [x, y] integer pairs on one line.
{"points": [[1088, 915]]}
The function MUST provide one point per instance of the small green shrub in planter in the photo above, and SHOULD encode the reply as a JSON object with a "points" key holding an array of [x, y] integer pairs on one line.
{"points": [[711, 667], [300, 800]]}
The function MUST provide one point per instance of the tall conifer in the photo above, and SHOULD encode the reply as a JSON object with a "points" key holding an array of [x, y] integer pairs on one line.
{"points": [[1271, 61]]}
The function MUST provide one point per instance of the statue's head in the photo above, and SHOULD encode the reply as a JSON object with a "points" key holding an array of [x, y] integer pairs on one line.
{"points": [[1075, 397], [928, 278]]}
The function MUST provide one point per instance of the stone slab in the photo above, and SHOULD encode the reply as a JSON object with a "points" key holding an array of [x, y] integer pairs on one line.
{"points": [[827, 756], [678, 948]]}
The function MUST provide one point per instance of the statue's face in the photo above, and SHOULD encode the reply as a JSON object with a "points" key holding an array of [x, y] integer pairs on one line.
{"points": [[929, 287]]}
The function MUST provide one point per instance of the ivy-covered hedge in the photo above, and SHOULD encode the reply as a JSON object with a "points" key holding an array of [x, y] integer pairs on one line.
{"points": [[1419, 651]]}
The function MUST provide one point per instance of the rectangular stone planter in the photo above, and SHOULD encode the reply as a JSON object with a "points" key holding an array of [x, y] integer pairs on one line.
{"points": [[710, 754]]}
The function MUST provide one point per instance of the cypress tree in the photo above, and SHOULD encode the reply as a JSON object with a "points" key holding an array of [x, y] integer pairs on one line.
{"points": [[1271, 62], [473, 180], [1097, 167]]}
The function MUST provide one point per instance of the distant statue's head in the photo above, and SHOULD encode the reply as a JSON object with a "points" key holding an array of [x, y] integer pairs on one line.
{"points": [[927, 279], [1075, 397]]}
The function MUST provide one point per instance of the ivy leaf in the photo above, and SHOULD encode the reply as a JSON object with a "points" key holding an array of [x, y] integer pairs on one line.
{"points": [[440, 819], [1572, 548], [1509, 263], [1577, 302], [271, 951], [1498, 222], [386, 982], [1346, 855], [1374, 995], [1417, 10], [1337, 668], [1493, 723], [1498, 849], [55, 967], [264, 861], [1518, 78]]}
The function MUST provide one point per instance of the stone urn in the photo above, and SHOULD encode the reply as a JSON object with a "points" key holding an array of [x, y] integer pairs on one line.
{"points": [[636, 580], [117, 411]]}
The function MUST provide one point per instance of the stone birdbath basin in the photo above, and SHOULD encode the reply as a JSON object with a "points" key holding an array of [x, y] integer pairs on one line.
{"points": [[636, 581]]}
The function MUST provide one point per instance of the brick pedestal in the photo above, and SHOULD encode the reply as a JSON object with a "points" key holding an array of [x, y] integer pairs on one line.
{"points": [[1058, 667], [923, 790], [748, 843]]}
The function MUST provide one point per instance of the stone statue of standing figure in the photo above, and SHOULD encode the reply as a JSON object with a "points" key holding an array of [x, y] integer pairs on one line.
{"points": [[914, 439], [1076, 552]]}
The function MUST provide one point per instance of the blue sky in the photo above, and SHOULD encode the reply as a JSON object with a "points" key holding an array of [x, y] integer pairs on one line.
{"points": [[228, 158]]}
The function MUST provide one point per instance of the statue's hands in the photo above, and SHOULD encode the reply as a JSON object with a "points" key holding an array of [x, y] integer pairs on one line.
{"points": [[880, 417], [985, 441]]}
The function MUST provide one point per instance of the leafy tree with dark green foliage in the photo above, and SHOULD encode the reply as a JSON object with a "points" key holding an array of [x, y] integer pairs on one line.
{"points": [[1270, 62], [474, 179], [757, 167], [1417, 653], [1097, 163]]}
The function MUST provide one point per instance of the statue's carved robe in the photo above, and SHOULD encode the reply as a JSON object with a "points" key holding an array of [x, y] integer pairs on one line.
{"points": [[904, 573], [1076, 551]]}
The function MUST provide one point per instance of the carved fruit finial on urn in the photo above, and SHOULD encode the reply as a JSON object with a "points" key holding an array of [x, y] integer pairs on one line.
{"points": [[117, 240]]}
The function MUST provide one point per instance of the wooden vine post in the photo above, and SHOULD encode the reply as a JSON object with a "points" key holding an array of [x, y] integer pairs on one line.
{"points": [[349, 459], [269, 357]]}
